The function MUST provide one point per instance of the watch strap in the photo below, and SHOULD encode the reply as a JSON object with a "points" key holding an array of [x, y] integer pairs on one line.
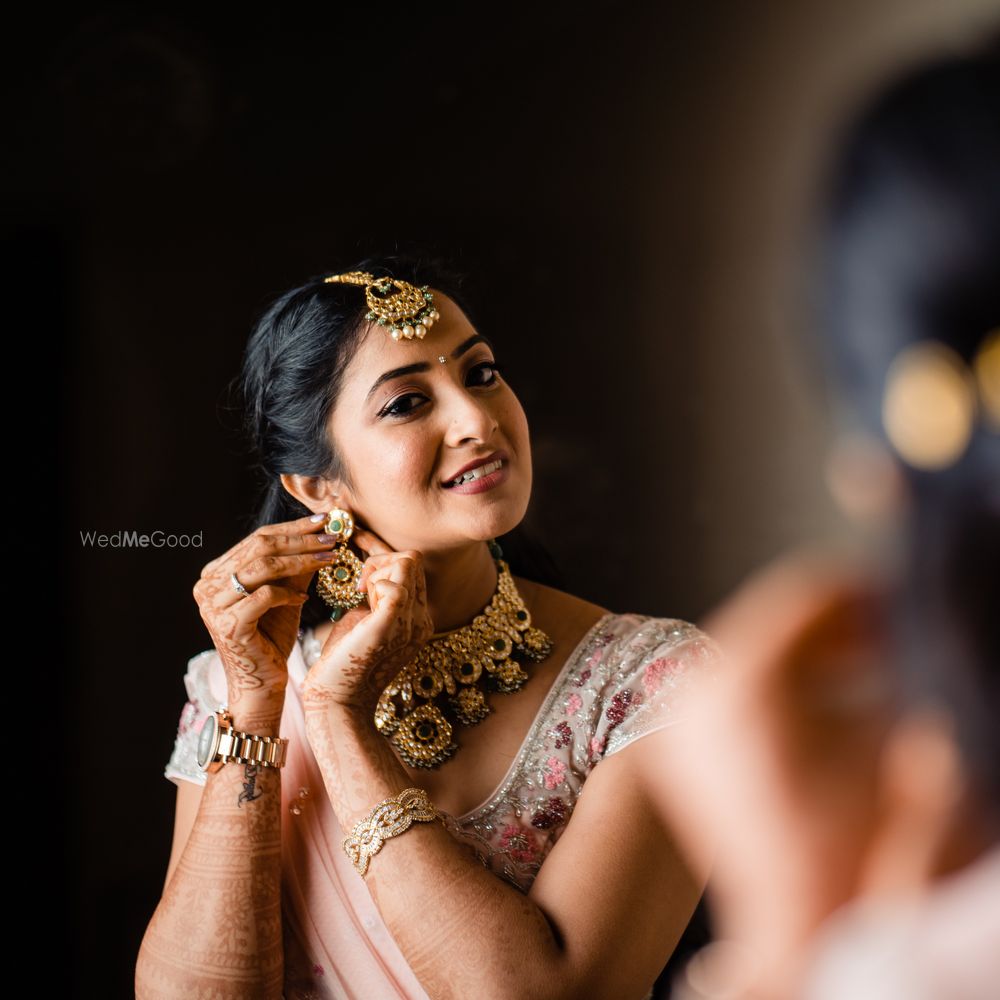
{"points": [[236, 746]]}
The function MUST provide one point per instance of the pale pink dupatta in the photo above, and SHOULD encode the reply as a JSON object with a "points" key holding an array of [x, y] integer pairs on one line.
{"points": [[336, 944]]}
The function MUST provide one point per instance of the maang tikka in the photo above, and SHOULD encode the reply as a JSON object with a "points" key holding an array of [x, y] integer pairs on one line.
{"points": [[403, 309], [337, 581]]}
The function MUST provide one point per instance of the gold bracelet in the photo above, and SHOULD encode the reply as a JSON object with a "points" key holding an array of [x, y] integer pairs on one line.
{"points": [[388, 819]]}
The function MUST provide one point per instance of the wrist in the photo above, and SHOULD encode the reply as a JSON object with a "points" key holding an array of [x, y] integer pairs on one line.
{"points": [[316, 704], [260, 716], [348, 715]]}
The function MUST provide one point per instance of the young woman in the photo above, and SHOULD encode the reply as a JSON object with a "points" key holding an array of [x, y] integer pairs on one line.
{"points": [[371, 395]]}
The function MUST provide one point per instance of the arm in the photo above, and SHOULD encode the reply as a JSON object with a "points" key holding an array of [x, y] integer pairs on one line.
{"points": [[185, 812], [466, 932], [217, 929]]}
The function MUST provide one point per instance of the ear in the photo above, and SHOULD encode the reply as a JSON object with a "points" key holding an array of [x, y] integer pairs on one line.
{"points": [[317, 493]]}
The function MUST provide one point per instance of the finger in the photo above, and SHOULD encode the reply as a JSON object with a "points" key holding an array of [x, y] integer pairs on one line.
{"points": [[387, 597], [411, 563], [298, 525], [252, 608], [302, 534], [268, 546], [282, 568], [293, 572], [369, 542]]}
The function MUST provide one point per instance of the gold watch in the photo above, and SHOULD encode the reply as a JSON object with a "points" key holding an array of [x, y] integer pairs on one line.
{"points": [[220, 744]]}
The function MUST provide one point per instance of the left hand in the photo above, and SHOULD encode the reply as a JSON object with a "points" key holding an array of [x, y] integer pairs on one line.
{"points": [[778, 768], [366, 649]]}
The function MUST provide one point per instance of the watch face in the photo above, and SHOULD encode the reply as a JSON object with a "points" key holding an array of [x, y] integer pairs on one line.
{"points": [[208, 741]]}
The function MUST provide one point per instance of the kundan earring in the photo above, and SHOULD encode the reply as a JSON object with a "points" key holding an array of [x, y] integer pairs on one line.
{"points": [[337, 583]]}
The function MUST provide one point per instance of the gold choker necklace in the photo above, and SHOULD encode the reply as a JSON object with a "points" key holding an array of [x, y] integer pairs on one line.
{"points": [[462, 666]]}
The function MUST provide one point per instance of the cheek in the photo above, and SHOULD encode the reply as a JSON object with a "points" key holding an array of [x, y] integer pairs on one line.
{"points": [[516, 422], [404, 462]]}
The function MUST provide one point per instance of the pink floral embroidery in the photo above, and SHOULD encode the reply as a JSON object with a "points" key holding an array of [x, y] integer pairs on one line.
{"points": [[555, 771], [657, 671], [597, 746], [573, 704], [621, 705], [563, 735], [553, 812], [583, 678], [518, 842], [318, 969]]}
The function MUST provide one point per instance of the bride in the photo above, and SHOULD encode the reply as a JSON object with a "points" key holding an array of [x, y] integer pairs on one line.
{"points": [[401, 813]]}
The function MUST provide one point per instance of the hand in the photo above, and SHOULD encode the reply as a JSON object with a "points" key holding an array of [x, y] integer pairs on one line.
{"points": [[778, 762], [254, 635], [366, 649]]}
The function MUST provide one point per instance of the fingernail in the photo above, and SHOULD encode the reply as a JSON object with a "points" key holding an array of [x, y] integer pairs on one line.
{"points": [[316, 518], [327, 539]]}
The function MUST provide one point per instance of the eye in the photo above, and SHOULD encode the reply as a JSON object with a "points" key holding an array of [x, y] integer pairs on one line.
{"points": [[402, 406], [486, 373]]}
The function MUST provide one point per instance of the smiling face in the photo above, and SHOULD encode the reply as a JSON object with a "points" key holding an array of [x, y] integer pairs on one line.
{"points": [[405, 424]]}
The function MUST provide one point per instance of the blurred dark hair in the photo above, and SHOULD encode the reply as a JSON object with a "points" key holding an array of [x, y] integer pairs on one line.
{"points": [[291, 375], [912, 252]]}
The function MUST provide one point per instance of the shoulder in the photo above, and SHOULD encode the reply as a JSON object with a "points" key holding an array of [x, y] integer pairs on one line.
{"points": [[557, 612], [639, 670]]}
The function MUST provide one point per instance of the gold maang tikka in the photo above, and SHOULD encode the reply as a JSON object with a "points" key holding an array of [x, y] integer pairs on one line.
{"points": [[459, 668], [403, 309], [337, 581]]}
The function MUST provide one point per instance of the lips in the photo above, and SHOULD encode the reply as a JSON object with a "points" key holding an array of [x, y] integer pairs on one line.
{"points": [[476, 463]]}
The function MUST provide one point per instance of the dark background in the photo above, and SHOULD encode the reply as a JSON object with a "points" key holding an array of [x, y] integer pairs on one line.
{"points": [[630, 190]]}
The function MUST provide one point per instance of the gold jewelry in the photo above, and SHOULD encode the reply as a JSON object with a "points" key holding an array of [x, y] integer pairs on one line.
{"points": [[337, 580], [391, 817], [407, 311], [219, 743], [454, 663]]}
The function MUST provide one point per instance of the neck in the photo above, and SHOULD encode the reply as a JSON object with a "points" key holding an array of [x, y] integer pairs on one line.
{"points": [[460, 583]]}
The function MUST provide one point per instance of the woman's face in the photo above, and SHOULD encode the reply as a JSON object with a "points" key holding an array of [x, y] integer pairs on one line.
{"points": [[405, 424]]}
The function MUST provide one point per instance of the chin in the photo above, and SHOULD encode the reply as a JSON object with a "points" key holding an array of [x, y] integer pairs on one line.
{"points": [[502, 519]]}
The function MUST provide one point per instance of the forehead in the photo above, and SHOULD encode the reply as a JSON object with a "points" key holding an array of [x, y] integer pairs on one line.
{"points": [[377, 352]]}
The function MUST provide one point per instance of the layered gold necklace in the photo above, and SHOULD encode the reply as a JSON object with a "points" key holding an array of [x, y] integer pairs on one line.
{"points": [[450, 678]]}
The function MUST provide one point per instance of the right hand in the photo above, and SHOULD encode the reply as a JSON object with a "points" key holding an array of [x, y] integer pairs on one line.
{"points": [[254, 635]]}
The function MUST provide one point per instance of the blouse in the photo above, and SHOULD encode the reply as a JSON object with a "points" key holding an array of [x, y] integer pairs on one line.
{"points": [[621, 682]]}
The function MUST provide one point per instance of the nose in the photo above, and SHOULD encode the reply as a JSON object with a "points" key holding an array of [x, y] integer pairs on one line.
{"points": [[470, 418]]}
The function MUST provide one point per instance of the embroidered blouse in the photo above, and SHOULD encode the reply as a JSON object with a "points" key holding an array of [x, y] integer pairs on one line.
{"points": [[620, 683]]}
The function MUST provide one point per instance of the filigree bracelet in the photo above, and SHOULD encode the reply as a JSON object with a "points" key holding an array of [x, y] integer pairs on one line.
{"points": [[389, 818]]}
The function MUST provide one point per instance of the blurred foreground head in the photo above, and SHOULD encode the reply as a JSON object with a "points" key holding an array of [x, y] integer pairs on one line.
{"points": [[911, 325]]}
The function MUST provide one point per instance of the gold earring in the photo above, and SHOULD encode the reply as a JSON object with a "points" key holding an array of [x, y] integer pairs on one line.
{"points": [[337, 583]]}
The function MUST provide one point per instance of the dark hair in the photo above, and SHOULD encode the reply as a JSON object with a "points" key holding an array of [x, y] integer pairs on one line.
{"points": [[291, 375], [912, 252]]}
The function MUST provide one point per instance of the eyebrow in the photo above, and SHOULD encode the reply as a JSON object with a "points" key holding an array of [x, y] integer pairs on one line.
{"points": [[423, 366]]}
